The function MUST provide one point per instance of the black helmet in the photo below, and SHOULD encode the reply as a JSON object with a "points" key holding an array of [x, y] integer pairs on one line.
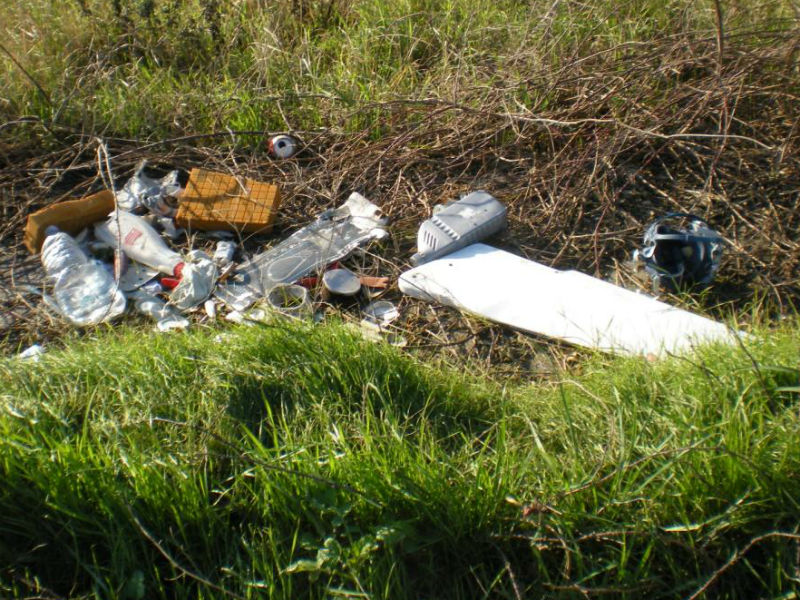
{"points": [[674, 256]]}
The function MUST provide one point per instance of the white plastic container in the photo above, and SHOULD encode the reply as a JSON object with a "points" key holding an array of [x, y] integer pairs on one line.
{"points": [[453, 226], [139, 241]]}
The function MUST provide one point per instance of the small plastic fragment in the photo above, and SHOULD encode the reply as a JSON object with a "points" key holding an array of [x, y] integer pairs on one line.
{"points": [[381, 312], [32, 353], [166, 317], [211, 309], [223, 254]]}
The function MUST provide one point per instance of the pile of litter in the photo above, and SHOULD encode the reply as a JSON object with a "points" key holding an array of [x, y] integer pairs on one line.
{"points": [[122, 251]]}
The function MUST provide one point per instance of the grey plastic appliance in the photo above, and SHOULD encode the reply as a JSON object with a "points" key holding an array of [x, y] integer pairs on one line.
{"points": [[458, 224]]}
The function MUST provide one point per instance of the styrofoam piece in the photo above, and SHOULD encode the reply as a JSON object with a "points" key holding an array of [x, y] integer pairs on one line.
{"points": [[567, 305]]}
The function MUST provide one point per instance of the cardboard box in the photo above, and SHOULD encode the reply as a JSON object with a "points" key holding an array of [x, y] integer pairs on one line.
{"points": [[70, 216]]}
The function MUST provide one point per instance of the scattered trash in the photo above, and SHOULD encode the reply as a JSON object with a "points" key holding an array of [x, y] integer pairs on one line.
{"points": [[140, 191], [84, 292], [282, 146], [375, 333], [290, 300], [381, 313], [567, 305], [341, 282], [374, 282], [166, 317], [216, 201], [70, 217], [457, 224], [675, 256], [198, 277], [33, 353], [134, 275], [223, 254], [211, 309], [333, 235]]}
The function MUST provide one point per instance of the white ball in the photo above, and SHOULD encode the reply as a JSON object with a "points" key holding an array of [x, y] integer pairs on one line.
{"points": [[282, 146]]}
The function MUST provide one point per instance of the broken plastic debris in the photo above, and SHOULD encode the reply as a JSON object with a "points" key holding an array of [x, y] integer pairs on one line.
{"points": [[282, 146], [452, 226], [381, 312], [134, 275], [567, 305], [342, 282], [33, 353], [84, 292], [211, 309], [675, 255], [198, 277], [375, 333], [333, 235], [223, 254], [166, 316], [142, 191], [290, 300], [216, 201], [70, 217]]}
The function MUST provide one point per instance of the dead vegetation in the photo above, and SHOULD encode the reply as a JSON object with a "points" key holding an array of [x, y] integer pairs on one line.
{"points": [[609, 142]]}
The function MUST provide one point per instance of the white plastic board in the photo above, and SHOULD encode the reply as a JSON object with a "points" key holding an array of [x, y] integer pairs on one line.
{"points": [[567, 305]]}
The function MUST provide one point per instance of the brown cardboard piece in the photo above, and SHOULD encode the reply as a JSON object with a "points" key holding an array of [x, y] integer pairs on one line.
{"points": [[70, 216]]}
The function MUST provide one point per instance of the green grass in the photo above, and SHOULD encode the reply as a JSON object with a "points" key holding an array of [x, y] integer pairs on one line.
{"points": [[295, 462], [147, 68]]}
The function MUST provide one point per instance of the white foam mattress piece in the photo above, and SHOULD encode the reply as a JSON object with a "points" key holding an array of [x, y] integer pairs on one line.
{"points": [[566, 305]]}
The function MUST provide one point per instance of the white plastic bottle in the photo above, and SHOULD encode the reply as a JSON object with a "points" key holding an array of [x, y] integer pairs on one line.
{"points": [[84, 291], [139, 241]]}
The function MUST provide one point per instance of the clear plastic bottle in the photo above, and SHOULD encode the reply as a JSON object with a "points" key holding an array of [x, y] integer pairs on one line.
{"points": [[60, 253], [84, 291]]}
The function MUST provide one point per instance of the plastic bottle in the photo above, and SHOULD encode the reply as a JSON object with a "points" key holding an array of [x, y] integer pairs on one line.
{"points": [[84, 291], [60, 253], [139, 241]]}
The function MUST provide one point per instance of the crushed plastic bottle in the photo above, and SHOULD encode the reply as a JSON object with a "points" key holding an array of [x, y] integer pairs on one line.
{"points": [[84, 292]]}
